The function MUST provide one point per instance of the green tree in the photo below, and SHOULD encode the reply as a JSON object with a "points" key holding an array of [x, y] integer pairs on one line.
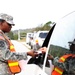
{"points": [[46, 26], [15, 36], [10, 35]]}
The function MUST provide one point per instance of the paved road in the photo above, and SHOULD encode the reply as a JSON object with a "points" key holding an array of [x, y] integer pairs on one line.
{"points": [[20, 46]]}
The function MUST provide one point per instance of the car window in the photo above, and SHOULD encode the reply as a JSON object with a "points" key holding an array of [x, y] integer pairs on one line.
{"points": [[43, 35], [29, 35]]}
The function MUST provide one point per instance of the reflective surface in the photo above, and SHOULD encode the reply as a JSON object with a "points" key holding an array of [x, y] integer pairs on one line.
{"points": [[64, 32]]}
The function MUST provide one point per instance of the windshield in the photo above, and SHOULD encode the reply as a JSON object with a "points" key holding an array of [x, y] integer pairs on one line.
{"points": [[43, 35], [63, 33]]}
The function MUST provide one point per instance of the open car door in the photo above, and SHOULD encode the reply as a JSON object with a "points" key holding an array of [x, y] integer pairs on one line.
{"points": [[37, 62], [64, 32], [57, 45]]}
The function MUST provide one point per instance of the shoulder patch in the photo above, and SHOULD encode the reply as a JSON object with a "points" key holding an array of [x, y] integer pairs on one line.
{"points": [[2, 38], [2, 45]]}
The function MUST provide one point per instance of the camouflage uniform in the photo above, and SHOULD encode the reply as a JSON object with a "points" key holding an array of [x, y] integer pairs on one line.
{"points": [[68, 66], [6, 55]]}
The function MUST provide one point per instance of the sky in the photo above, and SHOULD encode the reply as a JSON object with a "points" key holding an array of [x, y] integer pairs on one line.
{"points": [[31, 13]]}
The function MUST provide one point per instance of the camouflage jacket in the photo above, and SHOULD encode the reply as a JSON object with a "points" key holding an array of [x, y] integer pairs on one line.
{"points": [[68, 66], [6, 55]]}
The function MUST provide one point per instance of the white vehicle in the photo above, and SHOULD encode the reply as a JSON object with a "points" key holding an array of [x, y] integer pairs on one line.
{"points": [[28, 37], [38, 39], [57, 43]]}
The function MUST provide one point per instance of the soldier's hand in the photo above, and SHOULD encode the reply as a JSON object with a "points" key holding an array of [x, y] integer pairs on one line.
{"points": [[43, 49], [32, 53], [50, 57]]}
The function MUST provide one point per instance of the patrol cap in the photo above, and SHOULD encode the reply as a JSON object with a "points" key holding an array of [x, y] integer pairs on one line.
{"points": [[72, 42], [7, 18]]}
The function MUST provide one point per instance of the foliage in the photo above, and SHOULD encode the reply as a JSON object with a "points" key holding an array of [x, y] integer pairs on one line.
{"points": [[46, 26], [16, 37], [57, 50], [10, 35], [23, 34]]}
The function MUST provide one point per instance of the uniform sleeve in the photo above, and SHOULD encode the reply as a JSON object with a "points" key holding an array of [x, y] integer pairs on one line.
{"points": [[6, 54], [59, 64]]}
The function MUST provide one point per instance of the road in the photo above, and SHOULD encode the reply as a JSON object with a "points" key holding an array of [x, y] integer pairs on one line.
{"points": [[20, 46]]}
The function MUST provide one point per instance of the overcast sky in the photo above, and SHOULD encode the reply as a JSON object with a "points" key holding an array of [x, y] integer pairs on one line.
{"points": [[31, 13]]}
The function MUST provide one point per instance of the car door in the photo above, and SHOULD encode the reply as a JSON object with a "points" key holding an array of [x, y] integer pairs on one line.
{"points": [[63, 33]]}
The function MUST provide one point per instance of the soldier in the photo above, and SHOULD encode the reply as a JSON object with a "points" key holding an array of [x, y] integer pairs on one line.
{"points": [[65, 65], [8, 57]]}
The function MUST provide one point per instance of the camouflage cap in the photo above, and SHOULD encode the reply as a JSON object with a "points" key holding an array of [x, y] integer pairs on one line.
{"points": [[7, 18], [72, 42]]}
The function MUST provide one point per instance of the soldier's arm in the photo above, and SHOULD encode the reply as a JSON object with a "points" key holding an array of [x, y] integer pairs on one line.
{"points": [[5, 53]]}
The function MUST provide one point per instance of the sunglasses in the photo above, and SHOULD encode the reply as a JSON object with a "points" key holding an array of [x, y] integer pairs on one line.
{"points": [[9, 24]]}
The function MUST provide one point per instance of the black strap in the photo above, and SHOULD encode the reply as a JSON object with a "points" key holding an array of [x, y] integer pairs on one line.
{"points": [[46, 42], [47, 39]]}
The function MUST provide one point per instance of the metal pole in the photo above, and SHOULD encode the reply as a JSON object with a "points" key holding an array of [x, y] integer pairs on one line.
{"points": [[19, 34]]}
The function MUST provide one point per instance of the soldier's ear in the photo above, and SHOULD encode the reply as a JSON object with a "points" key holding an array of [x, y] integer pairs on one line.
{"points": [[0, 23]]}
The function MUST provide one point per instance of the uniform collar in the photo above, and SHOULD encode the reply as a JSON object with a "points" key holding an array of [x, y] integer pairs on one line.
{"points": [[1, 31]]}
